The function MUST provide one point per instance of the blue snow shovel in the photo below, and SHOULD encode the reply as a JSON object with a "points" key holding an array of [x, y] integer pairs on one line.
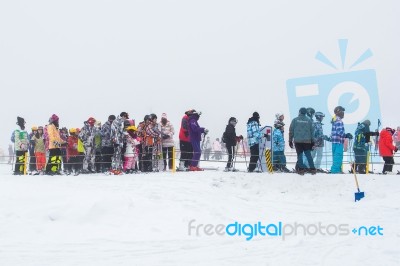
{"points": [[358, 195]]}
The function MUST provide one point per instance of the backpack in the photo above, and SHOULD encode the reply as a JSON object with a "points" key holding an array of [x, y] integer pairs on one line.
{"points": [[223, 138], [359, 137]]}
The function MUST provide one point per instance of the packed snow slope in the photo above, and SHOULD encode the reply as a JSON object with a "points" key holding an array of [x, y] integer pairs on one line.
{"points": [[145, 219]]}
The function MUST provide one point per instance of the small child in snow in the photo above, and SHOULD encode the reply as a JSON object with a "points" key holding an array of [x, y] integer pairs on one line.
{"points": [[130, 155]]}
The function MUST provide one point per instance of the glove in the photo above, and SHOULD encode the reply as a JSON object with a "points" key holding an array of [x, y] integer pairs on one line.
{"points": [[376, 133], [325, 137], [291, 144], [348, 136], [186, 133], [165, 136], [205, 131], [395, 149], [268, 137], [241, 137]]}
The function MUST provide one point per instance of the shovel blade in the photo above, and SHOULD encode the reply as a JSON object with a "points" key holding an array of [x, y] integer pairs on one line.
{"points": [[358, 195]]}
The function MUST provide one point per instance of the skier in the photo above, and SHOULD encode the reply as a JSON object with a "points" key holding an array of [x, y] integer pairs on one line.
{"points": [[167, 134], [117, 129], [87, 135], [141, 132], [64, 137], [107, 147], [195, 132], [130, 155], [254, 136], [278, 147], [185, 145], [386, 149], [337, 138], [72, 152], [21, 142], [32, 159], [361, 145], [98, 161], [231, 140], [55, 142], [207, 148], [301, 137], [40, 152], [217, 149], [317, 149], [152, 149], [396, 137]]}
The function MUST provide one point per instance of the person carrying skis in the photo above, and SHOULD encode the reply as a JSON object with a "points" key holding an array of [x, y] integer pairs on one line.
{"points": [[195, 132], [301, 137], [387, 149], [254, 136], [230, 139], [21, 142]]}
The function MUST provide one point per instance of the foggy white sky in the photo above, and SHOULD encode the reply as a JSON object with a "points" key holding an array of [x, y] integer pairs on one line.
{"points": [[226, 58]]}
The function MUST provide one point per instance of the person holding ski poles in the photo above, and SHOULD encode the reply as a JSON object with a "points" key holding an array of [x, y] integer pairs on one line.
{"points": [[230, 139], [254, 136]]}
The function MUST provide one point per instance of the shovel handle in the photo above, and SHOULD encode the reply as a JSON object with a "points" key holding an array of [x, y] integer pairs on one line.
{"points": [[355, 176]]}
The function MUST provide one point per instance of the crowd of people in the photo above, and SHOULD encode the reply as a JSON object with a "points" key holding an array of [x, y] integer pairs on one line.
{"points": [[119, 145]]}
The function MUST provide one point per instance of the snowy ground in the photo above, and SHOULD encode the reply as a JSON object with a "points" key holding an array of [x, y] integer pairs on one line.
{"points": [[144, 219]]}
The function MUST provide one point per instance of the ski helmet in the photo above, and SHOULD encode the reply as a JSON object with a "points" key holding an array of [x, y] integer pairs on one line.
{"points": [[319, 116], [279, 124], [34, 128], [72, 130], [310, 112]]}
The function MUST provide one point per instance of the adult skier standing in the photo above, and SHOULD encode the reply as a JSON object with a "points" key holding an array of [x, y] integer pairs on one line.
{"points": [[195, 132]]}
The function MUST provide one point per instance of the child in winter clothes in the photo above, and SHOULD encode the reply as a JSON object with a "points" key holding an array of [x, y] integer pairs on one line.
{"points": [[40, 152], [386, 149], [72, 152], [278, 147], [130, 155]]}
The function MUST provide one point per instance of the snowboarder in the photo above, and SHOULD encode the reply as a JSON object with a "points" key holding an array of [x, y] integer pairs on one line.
{"points": [[117, 129]]}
